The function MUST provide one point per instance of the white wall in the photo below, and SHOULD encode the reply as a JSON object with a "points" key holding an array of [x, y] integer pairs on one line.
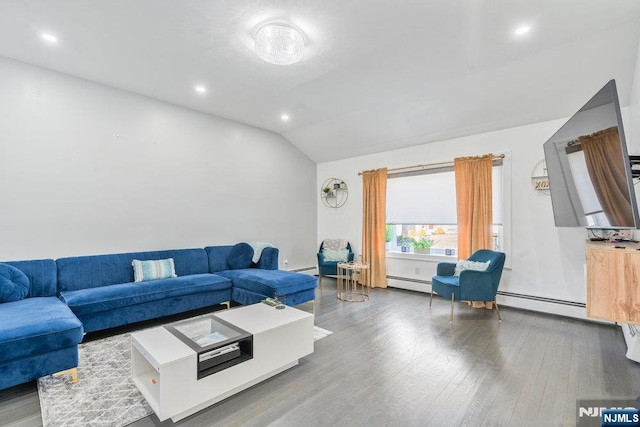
{"points": [[632, 132], [545, 261], [87, 169]]}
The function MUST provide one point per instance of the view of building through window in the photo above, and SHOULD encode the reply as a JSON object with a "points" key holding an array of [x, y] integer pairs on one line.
{"points": [[433, 239]]}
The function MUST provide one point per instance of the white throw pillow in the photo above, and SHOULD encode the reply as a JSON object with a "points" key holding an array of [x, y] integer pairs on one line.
{"points": [[340, 255], [465, 264], [153, 269]]}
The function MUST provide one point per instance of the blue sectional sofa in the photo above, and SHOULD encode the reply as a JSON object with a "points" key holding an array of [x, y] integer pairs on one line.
{"points": [[39, 335], [101, 291]]}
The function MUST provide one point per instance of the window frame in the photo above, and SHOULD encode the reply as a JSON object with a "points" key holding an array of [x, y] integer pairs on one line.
{"points": [[505, 163]]}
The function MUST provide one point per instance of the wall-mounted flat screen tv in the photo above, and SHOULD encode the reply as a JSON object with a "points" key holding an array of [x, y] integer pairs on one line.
{"points": [[588, 167]]}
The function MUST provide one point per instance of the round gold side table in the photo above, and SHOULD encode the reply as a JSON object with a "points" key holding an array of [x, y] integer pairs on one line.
{"points": [[353, 281]]}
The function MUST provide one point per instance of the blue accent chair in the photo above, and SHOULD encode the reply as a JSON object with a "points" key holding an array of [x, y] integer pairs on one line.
{"points": [[329, 268], [470, 285]]}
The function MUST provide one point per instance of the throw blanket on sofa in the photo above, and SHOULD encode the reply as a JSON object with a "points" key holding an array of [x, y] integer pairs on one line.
{"points": [[258, 247]]}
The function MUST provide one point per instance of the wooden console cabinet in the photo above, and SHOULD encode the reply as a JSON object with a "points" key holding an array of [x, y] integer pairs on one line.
{"points": [[613, 281]]}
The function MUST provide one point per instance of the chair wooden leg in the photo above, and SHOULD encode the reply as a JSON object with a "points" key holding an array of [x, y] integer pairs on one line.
{"points": [[430, 298], [320, 281], [451, 315], [497, 311]]}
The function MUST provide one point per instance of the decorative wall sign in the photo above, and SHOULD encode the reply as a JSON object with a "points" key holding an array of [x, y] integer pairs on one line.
{"points": [[540, 179], [334, 193]]}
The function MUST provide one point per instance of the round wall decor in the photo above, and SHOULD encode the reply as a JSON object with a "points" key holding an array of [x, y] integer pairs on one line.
{"points": [[334, 193], [540, 179]]}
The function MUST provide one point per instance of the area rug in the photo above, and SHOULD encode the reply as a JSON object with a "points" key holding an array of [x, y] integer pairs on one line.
{"points": [[105, 395]]}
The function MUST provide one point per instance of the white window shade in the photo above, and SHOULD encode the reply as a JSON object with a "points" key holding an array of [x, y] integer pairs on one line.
{"points": [[422, 199], [430, 198]]}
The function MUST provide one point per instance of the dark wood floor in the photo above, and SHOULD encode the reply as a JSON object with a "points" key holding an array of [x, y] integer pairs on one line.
{"points": [[393, 362]]}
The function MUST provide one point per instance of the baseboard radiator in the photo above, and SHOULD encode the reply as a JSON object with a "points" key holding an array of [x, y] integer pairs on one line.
{"points": [[302, 269], [409, 279], [543, 299], [504, 294]]}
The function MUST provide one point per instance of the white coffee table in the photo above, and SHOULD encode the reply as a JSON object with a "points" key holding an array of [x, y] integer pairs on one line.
{"points": [[165, 369]]}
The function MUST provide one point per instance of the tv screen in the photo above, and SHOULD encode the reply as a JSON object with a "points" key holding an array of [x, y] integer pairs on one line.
{"points": [[588, 167]]}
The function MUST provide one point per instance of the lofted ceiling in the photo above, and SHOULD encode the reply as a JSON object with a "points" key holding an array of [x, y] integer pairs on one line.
{"points": [[376, 75]]}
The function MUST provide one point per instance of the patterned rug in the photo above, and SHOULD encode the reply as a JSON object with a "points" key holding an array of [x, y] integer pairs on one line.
{"points": [[105, 395]]}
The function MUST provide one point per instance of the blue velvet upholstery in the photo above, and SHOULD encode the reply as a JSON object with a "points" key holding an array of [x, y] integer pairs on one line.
{"points": [[101, 291], [101, 270], [470, 285], [36, 325], [217, 256], [153, 309], [42, 275], [268, 259], [14, 284], [330, 268], [26, 369], [270, 282], [39, 335], [252, 285], [240, 256], [247, 297], [94, 300]]}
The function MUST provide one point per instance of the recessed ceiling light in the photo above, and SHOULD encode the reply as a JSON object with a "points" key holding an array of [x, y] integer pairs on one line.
{"points": [[50, 38], [284, 117], [200, 89], [522, 30]]}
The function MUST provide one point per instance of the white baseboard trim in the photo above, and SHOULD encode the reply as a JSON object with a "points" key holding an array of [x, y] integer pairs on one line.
{"points": [[525, 302], [306, 270], [545, 307]]}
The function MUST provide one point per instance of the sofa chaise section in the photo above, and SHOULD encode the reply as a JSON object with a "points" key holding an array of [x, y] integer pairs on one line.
{"points": [[253, 282], [39, 335], [251, 286], [101, 291]]}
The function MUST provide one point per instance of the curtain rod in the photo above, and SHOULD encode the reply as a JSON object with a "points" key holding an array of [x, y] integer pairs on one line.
{"points": [[500, 156]]}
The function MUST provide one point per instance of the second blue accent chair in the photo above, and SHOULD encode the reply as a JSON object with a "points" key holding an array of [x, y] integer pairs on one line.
{"points": [[470, 285], [329, 268]]}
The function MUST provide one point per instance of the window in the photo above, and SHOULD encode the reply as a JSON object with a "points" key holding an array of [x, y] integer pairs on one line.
{"points": [[421, 211]]}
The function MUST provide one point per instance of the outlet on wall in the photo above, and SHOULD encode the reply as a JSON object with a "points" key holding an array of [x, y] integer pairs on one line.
{"points": [[285, 262]]}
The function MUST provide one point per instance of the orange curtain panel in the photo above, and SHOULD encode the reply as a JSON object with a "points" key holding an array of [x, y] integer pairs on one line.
{"points": [[474, 203], [606, 169], [374, 211]]}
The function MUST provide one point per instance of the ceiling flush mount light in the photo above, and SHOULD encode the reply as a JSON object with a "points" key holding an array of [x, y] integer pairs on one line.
{"points": [[284, 117], [200, 89], [522, 30], [49, 37], [279, 44]]}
